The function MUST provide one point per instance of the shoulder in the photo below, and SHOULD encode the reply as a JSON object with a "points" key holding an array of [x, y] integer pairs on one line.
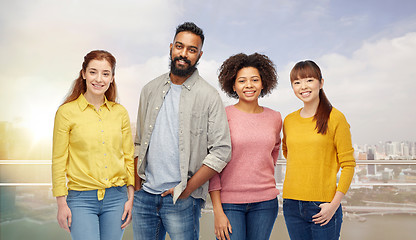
{"points": [[202, 85], [337, 115], [292, 115], [272, 113], [154, 83], [231, 111], [68, 107], [229, 108]]}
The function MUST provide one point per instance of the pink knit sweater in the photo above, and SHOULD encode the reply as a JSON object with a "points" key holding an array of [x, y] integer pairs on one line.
{"points": [[255, 141]]}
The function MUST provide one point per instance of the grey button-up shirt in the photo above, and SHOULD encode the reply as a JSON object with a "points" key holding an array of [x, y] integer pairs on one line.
{"points": [[204, 135]]}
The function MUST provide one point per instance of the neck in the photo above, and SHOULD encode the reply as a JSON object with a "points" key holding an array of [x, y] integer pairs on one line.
{"points": [[309, 109], [178, 80], [96, 100], [249, 107]]}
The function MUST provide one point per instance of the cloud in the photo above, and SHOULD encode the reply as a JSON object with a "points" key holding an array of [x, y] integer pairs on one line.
{"points": [[373, 88]]}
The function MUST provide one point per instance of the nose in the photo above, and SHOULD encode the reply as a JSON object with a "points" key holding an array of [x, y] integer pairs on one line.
{"points": [[99, 77], [249, 84], [303, 85], [183, 53]]}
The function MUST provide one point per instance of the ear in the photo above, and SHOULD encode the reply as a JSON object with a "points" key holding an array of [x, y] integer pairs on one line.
{"points": [[83, 74], [170, 47], [322, 83], [200, 54]]}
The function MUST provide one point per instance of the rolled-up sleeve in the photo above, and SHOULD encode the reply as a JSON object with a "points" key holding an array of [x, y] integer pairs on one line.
{"points": [[219, 141]]}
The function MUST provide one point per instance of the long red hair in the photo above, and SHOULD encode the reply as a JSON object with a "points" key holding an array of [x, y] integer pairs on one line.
{"points": [[80, 87], [309, 69]]}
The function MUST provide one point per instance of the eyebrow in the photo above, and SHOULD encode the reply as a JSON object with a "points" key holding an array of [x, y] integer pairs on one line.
{"points": [[177, 42], [94, 69]]}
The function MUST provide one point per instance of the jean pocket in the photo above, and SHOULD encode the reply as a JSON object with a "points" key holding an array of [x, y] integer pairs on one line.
{"points": [[73, 194], [317, 203], [122, 189]]}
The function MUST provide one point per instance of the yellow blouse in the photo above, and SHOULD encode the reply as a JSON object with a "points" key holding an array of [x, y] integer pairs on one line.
{"points": [[92, 149]]}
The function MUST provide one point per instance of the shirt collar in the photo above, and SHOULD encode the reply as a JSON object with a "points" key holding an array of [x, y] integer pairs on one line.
{"points": [[83, 103], [189, 82]]}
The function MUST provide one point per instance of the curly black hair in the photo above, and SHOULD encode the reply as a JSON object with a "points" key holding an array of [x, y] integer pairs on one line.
{"points": [[230, 67], [190, 27]]}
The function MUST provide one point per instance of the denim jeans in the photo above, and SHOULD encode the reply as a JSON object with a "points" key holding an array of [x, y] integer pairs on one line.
{"points": [[298, 217], [251, 221], [97, 220], [154, 215]]}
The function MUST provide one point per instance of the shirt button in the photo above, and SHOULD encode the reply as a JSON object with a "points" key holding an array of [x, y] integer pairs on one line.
{"points": [[99, 120], [163, 91], [157, 108], [102, 130], [103, 142], [105, 154], [145, 143], [105, 166], [150, 126]]}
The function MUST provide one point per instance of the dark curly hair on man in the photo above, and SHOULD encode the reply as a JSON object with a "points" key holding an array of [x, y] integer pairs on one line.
{"points": [[230, 67], [190, 27]]}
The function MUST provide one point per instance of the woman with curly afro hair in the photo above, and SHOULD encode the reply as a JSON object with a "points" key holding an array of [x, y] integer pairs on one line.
{"points": [[244, 194]]}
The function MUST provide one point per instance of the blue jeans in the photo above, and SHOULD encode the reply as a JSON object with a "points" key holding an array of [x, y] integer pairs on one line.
{"points": [[93, 219], [154, 215], [298, 217], [251, 221]]}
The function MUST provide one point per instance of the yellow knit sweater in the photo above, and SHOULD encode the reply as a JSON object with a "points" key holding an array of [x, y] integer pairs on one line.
{"points": [[313, 159]]}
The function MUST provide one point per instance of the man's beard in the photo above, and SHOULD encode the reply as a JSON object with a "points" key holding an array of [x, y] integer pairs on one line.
{"points": [[182, 72]]}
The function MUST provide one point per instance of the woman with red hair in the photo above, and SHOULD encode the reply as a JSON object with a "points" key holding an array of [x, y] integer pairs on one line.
{"points": [[92, 161]]}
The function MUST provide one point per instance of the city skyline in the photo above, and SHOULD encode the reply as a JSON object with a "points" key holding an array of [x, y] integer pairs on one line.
{"points": [[363, 48]]}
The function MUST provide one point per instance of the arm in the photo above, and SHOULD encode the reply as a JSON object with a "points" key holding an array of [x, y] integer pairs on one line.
{"points": [[221, 222], [275, 151], [128, 149], [128, 206], [218, 133], [345, 154], [64, 216], [137, 179], [60, 153], [343, 144], [284, 146], [59, 160], [199, 178], [137, 140]]}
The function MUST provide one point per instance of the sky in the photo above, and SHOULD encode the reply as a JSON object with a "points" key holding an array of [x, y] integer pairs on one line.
{"points": [[366, 51]]}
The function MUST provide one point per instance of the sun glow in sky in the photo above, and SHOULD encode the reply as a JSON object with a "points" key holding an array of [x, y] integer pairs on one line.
{"points": [[365, 49]]}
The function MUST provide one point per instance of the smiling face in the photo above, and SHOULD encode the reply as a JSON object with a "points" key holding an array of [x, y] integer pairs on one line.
{"points": [[98, 76], [307, 89], [248, 84], [185, 52]]}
